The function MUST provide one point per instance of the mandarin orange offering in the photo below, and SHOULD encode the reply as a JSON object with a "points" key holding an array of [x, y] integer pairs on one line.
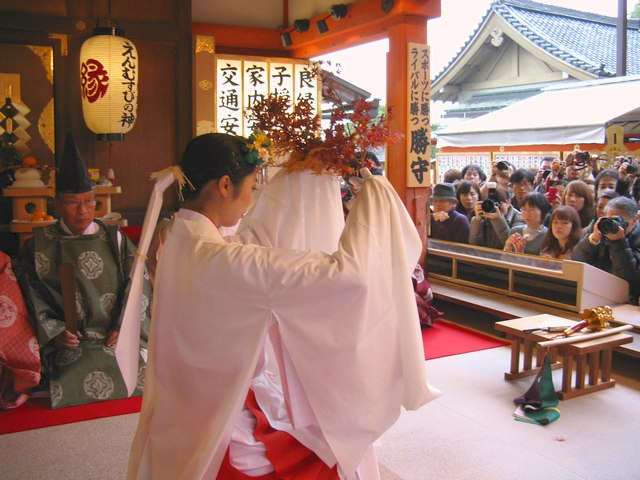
{"points": [[29, 161]]}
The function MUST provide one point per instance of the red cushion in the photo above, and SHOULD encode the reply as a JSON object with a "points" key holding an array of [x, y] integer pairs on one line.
{"points": [[133, 232]]}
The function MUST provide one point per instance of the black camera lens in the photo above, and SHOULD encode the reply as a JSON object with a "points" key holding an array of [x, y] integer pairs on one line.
{"points": [[488, 206], [583, 155], [608, 225], [632, 169], [502, 166]]}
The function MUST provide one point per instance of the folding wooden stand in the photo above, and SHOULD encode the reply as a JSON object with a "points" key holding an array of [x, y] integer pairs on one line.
{"points": [[592, 358]]}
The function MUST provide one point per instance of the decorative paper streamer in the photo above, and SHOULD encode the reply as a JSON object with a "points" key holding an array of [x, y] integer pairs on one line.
{"points": [[128, 347]]}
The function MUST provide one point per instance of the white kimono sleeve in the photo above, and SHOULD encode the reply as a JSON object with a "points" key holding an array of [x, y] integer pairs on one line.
{"points": [[348, 322]]}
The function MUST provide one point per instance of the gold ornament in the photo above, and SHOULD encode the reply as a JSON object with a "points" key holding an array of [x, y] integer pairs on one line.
{"points": [[598, 317]]}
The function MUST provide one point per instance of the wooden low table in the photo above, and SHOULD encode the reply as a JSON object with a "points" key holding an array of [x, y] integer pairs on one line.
{"points": [[592, 357]]}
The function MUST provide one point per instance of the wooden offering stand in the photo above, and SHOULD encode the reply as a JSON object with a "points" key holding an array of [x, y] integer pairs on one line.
{"points": [[26, 201]]}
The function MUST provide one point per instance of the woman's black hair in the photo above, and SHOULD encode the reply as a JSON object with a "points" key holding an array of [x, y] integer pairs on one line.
{"points": [[539, 201], [477, 168], [522, 174], [212, 156], [611, 173], [465, 186]]}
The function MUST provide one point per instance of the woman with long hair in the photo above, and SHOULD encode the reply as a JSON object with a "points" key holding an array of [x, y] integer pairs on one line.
{"points": [[563, 234]]}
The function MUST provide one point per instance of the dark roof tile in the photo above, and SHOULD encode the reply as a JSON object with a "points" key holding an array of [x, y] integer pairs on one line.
{"points": [[584, 40]]}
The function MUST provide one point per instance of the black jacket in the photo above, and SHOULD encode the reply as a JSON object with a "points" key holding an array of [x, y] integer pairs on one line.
{"points": [[619, 257]]}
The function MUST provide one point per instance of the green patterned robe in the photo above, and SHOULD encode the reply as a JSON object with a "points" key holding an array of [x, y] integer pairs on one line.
{"points": [[89, 373]]}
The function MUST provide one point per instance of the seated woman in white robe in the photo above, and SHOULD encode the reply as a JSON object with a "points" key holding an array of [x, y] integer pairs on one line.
{"points": [[348, 342]]}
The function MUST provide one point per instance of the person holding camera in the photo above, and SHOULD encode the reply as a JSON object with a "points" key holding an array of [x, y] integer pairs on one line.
{"points": [[543, 172], [628, 172], [494, 218], [500, 174], [614, 243], [579, 165]]}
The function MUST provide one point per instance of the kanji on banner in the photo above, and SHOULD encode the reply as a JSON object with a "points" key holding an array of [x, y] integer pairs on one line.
{"points": [[419, 116]]}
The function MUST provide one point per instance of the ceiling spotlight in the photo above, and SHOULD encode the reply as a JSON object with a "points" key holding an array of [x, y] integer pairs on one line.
{"points": [[286, 39], [322, 26], [337, 11], [300, 26]]}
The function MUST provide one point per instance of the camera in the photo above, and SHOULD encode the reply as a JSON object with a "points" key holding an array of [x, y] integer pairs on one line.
{"points": [[608, 225], [583, 156], [631, 168], [502, 166], [490, 204]]}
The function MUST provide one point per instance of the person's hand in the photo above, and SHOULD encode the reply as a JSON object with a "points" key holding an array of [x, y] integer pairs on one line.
{"points": [[622, 171], [477, 209], [556, 166], [617, 162], [495, 214], [596, 235], [494, 168], [440, 216], [112, 339], [556, 202], [539, 177], [619, 235], [67, 339], [515, 243], [594, 164]]}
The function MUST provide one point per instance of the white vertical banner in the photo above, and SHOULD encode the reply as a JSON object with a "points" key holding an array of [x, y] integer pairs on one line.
{"points": [[419, 116], [243, 81], [229, 97], [281, 78], [306, 85], [255, 88]]}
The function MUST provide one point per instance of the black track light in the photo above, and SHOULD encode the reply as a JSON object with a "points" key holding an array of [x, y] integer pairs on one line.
{"points": [[300, 25], [337, 11]]}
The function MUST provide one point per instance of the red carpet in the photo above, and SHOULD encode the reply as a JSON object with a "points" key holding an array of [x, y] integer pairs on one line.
{"points": [[446, 338], [37, 413], [441, 340]]}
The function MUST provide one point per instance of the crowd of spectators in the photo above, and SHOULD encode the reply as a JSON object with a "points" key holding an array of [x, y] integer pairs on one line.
{"points": [[573, 209]]}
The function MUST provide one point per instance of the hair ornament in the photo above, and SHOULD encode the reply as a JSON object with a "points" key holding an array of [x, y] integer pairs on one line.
{"points": [[258, 149]]}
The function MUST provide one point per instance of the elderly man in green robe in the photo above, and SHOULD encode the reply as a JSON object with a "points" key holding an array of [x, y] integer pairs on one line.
{"points": [[79, 361]]}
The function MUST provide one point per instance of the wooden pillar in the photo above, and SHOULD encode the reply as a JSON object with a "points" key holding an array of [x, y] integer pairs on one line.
{"points": [[412, 29]]}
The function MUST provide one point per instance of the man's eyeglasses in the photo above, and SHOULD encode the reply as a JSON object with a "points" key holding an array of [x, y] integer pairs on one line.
{"points": [[77, 204]]}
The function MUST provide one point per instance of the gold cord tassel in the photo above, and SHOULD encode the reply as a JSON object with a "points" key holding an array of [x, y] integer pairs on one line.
{"points": [[178, 174]]}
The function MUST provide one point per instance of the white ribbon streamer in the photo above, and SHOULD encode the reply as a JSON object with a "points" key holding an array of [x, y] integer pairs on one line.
{"points": [[128, 347]]}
